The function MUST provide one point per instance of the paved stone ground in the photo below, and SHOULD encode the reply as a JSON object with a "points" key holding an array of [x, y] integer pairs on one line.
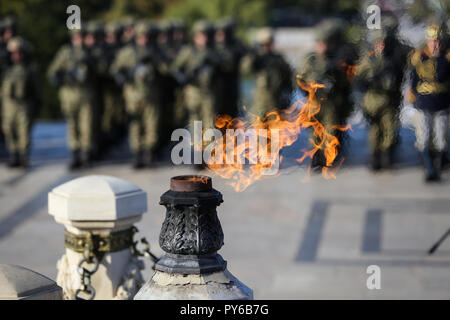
{"points": [[283, 238]]}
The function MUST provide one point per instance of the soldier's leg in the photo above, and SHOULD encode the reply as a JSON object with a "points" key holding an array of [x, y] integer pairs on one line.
{"points": [[23, 135], [151, 129], [389, 127], [8, 126], [134, 135], [440, 136], [85, 127], [423, 142], [207, 112]]}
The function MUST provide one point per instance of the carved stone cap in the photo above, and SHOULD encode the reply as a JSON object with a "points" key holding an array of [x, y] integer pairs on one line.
{"points": [[17, 283], [96, 198]]}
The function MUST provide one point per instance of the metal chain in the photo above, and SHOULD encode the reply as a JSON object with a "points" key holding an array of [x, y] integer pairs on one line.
{"points": [[145, 252], [92, 257], [85, 275]]}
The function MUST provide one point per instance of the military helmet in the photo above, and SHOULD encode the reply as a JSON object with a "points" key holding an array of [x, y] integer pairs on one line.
{"points": [[114, 27], [147, 27], [202, 26], [18, 44], [226, 24], [95, 28], [376, 35], [9, 22], [265, 36], [165, 26], [330, 29], [178, 24]]}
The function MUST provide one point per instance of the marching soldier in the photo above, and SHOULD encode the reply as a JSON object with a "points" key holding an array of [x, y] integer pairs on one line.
{"points": [[380, 74], [195, 68], [20, 99], [114, 117], [430, 80], [231, 52], [273, 86], [330, 65], [73, 72], [139, 68]]}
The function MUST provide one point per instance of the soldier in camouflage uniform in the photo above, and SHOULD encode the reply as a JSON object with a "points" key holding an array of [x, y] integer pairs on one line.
{"points": [[8, 29], [379, 75], [179, 41], [114, 114], [139, 68], [231, 52], [330, 65], [273, 85], [20, 98], [72, 71], [430, 82], [195, 68], [168, 84], [94, 44]]}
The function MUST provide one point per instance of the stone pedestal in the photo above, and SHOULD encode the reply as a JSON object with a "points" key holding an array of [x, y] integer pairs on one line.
{"points": [[19, 283], [98, 213], [191, 235]]}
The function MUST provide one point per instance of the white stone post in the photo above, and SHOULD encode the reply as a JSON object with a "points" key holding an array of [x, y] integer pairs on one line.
{"points": [[98, 213], [19, 283]]}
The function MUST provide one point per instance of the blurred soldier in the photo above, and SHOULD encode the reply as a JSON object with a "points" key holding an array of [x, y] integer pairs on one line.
{"points": [[273, 85], [114, 117], [10, 27], [379, 75], [93, 41], [20, 98], [179, 41], [128, 31], [179, 37], [72, 71], [330, 65], [195, 68], [231, 52], [168, 84], [429, 92], [138, 68]]}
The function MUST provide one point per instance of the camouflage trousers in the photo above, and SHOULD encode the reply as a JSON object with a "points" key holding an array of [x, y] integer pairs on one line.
{"points": [[113, 114], [200, 106], [383, 117], [78, 109], [383, 130], [263, 102], [143, 127], [16, 125]]}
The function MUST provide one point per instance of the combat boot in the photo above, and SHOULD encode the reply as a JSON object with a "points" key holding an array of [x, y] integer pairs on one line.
{"points": [[138, 162], [375, 164], [13, 160], [149, 158], [75, 162], [23, 160], [386, 159], [86, 157], [431, 173]]}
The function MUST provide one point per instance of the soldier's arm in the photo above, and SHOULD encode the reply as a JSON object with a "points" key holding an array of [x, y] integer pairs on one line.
{"points": [[120, 67], [56, 68]]}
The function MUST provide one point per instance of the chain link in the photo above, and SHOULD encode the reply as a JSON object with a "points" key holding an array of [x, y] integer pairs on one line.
{"points": [[91, 256], [145, 252]]}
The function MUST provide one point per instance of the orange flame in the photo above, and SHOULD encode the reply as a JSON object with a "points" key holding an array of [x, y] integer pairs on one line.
{"points": [[201, 179], [289, 123]]}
